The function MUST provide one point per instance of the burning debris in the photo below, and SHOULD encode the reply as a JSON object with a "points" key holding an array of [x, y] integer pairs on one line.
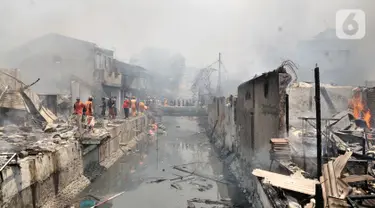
{"points": [[348, 152], [360, 108]]}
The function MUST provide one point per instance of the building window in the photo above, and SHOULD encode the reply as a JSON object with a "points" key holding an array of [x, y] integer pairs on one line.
{"points": [[247, 95], [102, 62], [97, 61], [108, 63], [266, 88]]}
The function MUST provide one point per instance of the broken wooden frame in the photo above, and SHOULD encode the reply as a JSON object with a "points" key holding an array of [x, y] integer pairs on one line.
{"points": [[8, 162], [31, 101]]}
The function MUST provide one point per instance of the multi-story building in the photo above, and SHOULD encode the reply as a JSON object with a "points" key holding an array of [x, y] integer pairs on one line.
{"points": [[135, 79], [65, 64]]}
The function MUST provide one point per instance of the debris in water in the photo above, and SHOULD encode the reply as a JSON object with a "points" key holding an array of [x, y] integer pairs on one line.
{"points": [[200, 175], [190, 205], [158, 180], [183, 179], [208, 201], [176, 186], [201, 187]]}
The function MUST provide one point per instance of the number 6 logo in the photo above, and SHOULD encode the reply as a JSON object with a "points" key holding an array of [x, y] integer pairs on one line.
{"points": [[350, 24]]}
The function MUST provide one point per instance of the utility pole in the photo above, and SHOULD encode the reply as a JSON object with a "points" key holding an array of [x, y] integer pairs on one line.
{"points": [[218, 90], [318, 187]]}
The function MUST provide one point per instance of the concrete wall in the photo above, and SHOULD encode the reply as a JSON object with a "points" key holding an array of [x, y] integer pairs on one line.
{"points": [[223, 116], [80, 90], [301, 100], [243, 130], [41, 177], [259, 116]]}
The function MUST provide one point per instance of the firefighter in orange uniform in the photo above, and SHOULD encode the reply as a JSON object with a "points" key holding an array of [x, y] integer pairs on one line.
{"points": [[142, 107], [89, 110], [165, 102], [78, 112], [133, 106]]}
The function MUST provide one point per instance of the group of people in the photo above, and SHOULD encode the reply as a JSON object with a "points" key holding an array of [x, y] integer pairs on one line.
{"points": [[111, 105], [133, 106], [84, 112]]}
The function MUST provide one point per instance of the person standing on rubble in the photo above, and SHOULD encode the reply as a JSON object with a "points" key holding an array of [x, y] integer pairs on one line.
{"points": [[126, 106], [165, 102], [141, 107], [110, 108], [78, 108], [109, 101], [133, 104], [103, 106], [89, 110], [114, 100]]}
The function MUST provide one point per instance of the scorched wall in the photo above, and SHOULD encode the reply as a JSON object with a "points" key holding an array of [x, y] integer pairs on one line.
{"points": [[39, 178]]}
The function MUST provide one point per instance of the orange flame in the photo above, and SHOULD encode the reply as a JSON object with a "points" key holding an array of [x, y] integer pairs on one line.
{"points": [[359, 110]]}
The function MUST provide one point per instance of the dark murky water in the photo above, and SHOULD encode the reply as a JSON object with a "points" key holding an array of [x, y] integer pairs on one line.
{"points": [[185, 146]]}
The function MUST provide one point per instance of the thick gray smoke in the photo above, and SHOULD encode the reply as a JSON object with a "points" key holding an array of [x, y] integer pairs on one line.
{"points": [[167, 68], [253, 35]]}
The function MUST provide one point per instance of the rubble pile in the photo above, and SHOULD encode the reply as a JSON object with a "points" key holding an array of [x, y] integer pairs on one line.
{"points": [[341, 185], [348, 152], [36, 129], [31, 139]]}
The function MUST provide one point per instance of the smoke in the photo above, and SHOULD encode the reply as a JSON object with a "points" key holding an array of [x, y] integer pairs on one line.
{"points": [[252, 35]]}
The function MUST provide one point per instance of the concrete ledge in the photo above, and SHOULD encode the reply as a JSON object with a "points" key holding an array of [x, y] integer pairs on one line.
{"points": [[74, 188], [40, 178]]}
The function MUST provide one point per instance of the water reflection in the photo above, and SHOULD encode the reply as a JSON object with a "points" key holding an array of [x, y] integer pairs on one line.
{"points": [[154, 159]]}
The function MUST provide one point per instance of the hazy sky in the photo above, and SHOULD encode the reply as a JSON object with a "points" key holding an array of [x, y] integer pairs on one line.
{"points": [[244, 31]]}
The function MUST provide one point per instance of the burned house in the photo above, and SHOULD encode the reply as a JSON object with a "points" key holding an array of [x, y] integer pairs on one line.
{"points": [[55, 59], [281, 176], [135, 79], [260, 111], [348, 170], [67, 65]]}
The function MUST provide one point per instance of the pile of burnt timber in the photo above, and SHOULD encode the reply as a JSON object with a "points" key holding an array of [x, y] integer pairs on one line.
{"points": [[348, 170], [280, 149], [335, 190], [341, 186], [17, 95]]}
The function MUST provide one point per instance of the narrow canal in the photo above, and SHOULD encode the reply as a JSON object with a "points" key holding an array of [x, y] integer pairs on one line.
{"points": [[151, 175]]}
